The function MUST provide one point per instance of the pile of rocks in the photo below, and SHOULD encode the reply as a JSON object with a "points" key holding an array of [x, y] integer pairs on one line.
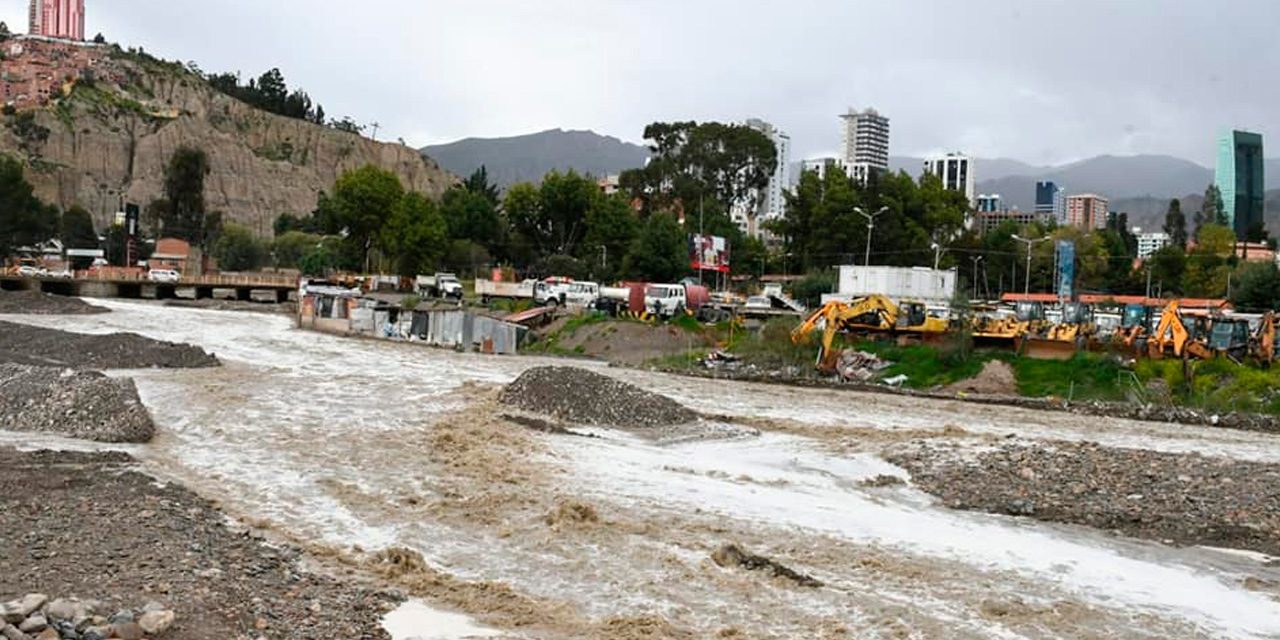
{"points": [[35, 617], [39, 346], [588, 398], [86, 405], [1182, 498], [37, 303]]}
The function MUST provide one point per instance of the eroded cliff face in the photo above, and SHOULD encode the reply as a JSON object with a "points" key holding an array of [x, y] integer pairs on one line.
{"points": [[109, 140]]}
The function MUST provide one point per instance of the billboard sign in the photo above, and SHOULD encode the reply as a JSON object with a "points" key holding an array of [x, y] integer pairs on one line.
{"points": [[1066, 269], [709, 253]]}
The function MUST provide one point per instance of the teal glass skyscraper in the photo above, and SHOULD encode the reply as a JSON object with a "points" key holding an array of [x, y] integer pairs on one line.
{"points": [[1242, 180]]}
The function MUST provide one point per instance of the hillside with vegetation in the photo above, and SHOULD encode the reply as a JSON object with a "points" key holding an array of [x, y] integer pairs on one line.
{"points": [[106, 137]]}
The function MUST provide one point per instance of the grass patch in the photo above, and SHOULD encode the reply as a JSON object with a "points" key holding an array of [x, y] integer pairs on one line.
{"points": [[1084, 377], [927, 366], [771, 347], [1217, 385]]}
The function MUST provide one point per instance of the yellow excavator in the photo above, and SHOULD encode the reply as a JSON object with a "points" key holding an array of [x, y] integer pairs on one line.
{"points": [[874, 314], [1028, 317], [1263, 344], [1174, 337], [1061, 341]]}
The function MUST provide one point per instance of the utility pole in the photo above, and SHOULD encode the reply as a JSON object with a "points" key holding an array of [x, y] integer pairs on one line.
{"points": [[1030, 242], [1148, 282], [375, 126], [938, 250], [974, 281], [871, 226]]}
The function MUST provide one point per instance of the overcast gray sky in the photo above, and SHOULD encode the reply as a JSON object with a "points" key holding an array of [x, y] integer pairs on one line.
{"points": [[1043, 81]]}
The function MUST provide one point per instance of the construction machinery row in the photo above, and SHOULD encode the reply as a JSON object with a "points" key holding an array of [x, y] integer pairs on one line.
{"points": [[1030, 329]]}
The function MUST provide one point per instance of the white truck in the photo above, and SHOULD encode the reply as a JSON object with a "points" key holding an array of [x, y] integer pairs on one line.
{"points": [[441, 285], [488, 290]]}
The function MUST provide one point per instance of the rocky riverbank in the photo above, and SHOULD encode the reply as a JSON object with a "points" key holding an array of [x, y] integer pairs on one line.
{"points": [[37, 303], [24, 344], [1185, 499], [78, 404], [88, 526], [35, 616]]}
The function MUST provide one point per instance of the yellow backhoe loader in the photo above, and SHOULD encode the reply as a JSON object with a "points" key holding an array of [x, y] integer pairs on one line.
{"points": [[1063, 340], [1264, 344], [1174, 337], [1028, 317]]}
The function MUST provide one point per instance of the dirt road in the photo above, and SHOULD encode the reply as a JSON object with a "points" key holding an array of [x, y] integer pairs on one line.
{"points": [[391, 460]]}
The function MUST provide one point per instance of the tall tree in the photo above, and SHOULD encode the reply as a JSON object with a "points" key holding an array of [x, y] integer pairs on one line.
{"points": [[24, 220], [362, 200], [416, 235], [237, 249], [1215, 210], [472, 216], [182, 211], [611, 228], [730, 164], [478, 183], [552, 217], [77, 229], [659, 252], [1175, 224]]}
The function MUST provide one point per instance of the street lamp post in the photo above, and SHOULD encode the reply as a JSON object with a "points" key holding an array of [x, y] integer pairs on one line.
{"points": [[1030, 242], [871, 225]]}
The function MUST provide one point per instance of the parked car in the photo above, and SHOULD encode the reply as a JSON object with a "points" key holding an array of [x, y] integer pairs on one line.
{"points": [[28, 271], [163, 275], [64, 274]]}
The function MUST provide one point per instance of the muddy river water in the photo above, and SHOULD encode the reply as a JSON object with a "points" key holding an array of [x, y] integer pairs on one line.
{"points": [[355, 446]]}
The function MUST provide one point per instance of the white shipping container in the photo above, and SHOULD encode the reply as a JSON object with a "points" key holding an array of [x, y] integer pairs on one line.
{"points": [[897, 283]]}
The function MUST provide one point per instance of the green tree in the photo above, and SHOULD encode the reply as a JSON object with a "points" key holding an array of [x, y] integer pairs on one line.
{"points": [[24, 220], [1257, 287], [77, 232], [290, 247], [322, 259], [730, 164], [182, 210], [659, 252], [286, 222], [1168, 266], [554, 220], [1175, 224], [471, 216], [478, 183], [237, 249], [362, 201], [611, 228], [416, 236], [1208, 266]]}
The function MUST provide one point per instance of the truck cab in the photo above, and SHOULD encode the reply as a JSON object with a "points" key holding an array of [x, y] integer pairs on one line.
{"points": [[441, 285], [665, 300], [582, 294]]}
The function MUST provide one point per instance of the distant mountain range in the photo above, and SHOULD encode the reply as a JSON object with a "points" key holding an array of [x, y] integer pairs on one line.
{"points": [[1141, 185], [529, 157]]}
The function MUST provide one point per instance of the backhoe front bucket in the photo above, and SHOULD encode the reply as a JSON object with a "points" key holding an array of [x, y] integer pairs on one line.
{"points": [[1046, 349]]}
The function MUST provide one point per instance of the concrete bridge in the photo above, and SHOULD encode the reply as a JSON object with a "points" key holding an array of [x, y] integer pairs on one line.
{"points": [[130, 286]]}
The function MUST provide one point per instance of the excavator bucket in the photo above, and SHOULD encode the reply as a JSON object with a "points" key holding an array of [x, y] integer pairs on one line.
{"points": [[1047, 348]]}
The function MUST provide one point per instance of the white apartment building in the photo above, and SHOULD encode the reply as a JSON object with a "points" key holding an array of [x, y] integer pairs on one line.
{"points": [[819, 165], [772, 204], [1149, 243], [865, 142], [956, 172]]}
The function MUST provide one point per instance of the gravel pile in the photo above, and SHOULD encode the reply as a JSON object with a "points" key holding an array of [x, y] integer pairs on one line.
{"points": [[37, 303], [35, 616], [86, 405], [86, 525], [996, 379], [50, 347], [1184, 498], [587, 398]]}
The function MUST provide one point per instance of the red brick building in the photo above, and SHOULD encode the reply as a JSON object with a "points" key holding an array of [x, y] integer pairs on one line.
{"points": [[36, 70]]}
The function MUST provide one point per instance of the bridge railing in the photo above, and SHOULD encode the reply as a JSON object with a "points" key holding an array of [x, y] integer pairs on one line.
{"points": [[217, 281]]}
